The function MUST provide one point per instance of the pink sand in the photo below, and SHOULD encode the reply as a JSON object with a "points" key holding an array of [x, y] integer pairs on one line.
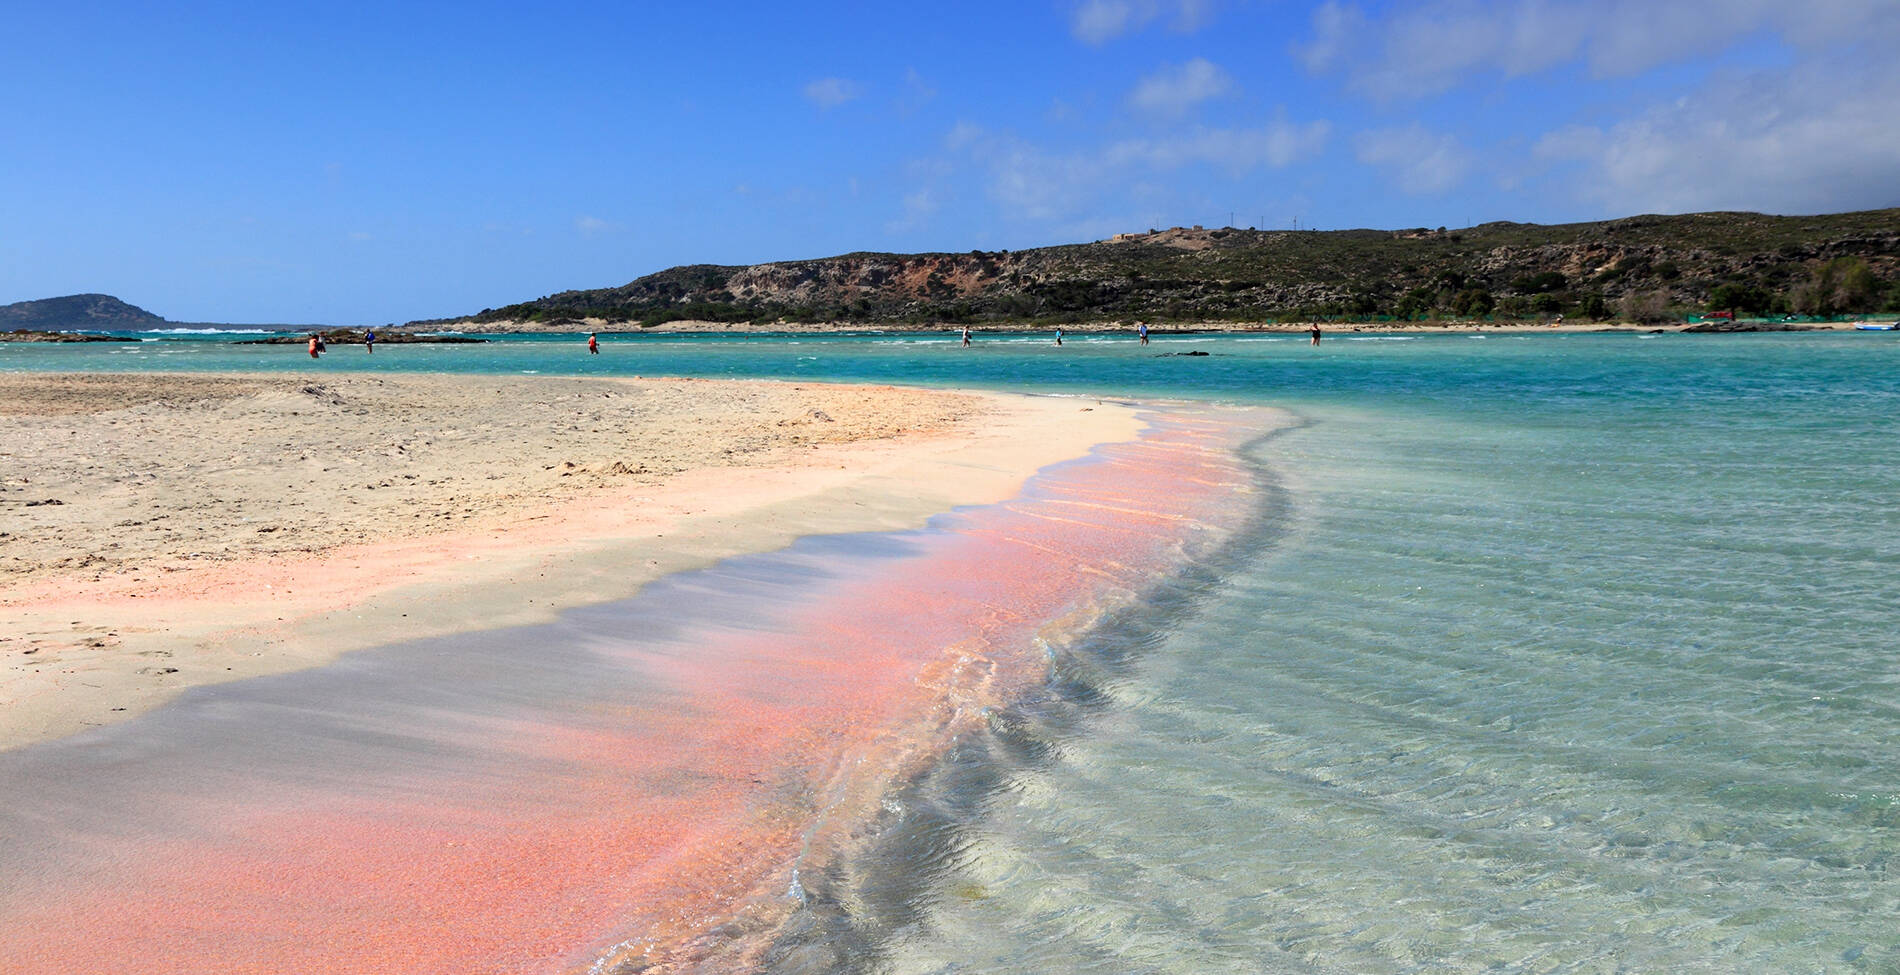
{"points": [[648, 825]]}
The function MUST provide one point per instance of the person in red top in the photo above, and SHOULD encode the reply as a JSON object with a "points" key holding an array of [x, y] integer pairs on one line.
{"points": [[593, 344]]}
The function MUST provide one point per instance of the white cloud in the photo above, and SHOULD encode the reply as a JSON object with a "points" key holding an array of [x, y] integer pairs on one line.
{"points": [[1813, 139], [917, 209], [832, 92], [1422, 162], [1278, 144], [1028, 180], [1063, 186], [916, 94], [1427, 48], [1101, 21], [1172, 91], [592, 226], [1335, 28], [964, 135], [1192, 15], [1042, 185]]}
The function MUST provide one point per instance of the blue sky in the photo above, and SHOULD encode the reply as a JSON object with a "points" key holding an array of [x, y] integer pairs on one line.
{"points": [[355, 163]]}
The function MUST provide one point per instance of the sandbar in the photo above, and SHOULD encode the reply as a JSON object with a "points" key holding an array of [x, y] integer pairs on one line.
{"points": [[165, 531], [685, 780]]}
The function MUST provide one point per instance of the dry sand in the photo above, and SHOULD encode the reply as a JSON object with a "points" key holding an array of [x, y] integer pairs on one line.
{"points": [[159, 532]]}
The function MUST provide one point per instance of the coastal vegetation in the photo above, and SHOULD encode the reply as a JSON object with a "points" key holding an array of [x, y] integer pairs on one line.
{"points": [[1642, 268]]}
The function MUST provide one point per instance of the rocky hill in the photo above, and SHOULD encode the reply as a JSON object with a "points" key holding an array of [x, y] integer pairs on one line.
{"points": [[97, 312], [1642, 267]]}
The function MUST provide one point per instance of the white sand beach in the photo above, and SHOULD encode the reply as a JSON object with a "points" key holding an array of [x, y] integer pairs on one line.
{"points": [[166, 531]]}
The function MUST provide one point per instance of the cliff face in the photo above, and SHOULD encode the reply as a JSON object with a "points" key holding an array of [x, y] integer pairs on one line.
{"points": [[1765, 263], [98, 312]]}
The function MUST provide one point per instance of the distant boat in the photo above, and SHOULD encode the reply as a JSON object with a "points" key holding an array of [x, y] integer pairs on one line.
{"points": [[1877, 326]]}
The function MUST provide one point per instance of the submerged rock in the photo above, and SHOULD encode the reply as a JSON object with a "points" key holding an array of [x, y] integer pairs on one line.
{"points": [[34, 335]]}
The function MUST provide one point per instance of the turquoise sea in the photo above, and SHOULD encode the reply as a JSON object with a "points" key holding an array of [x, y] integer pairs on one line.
{"points": [[1545, 653]]}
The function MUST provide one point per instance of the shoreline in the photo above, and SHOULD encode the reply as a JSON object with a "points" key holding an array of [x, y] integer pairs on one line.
{"points": [[631, 787], [479, 332], [684, 327], [97, 641], [1109, 527]]}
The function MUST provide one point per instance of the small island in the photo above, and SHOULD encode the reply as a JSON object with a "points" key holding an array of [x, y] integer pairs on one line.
{"points": [[82, 318]]}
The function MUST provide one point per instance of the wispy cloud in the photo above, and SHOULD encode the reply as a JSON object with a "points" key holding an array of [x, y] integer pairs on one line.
{"points": [[1035, 183], [593, 226], [917, 209], [916, 93], [1175, 90], [1813, 139], [830, 93], [1275, 145], [1101, 21], [1423, 163], [1423, 49]]}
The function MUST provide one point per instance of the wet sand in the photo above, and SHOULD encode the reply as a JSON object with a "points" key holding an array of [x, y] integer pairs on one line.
{"points": [[629, 787], [163, 532]]}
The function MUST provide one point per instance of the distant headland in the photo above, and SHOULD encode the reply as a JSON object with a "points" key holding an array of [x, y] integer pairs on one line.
{"points": [[83, 318], [1647, 269], [90, 311], [78, 318]]}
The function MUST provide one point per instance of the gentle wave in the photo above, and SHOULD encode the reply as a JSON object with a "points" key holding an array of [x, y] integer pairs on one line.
{"points": [[215, 331]]}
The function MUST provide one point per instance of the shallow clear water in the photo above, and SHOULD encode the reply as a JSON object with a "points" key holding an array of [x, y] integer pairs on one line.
{"points": [[1556, 653], [1571, 696]]}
